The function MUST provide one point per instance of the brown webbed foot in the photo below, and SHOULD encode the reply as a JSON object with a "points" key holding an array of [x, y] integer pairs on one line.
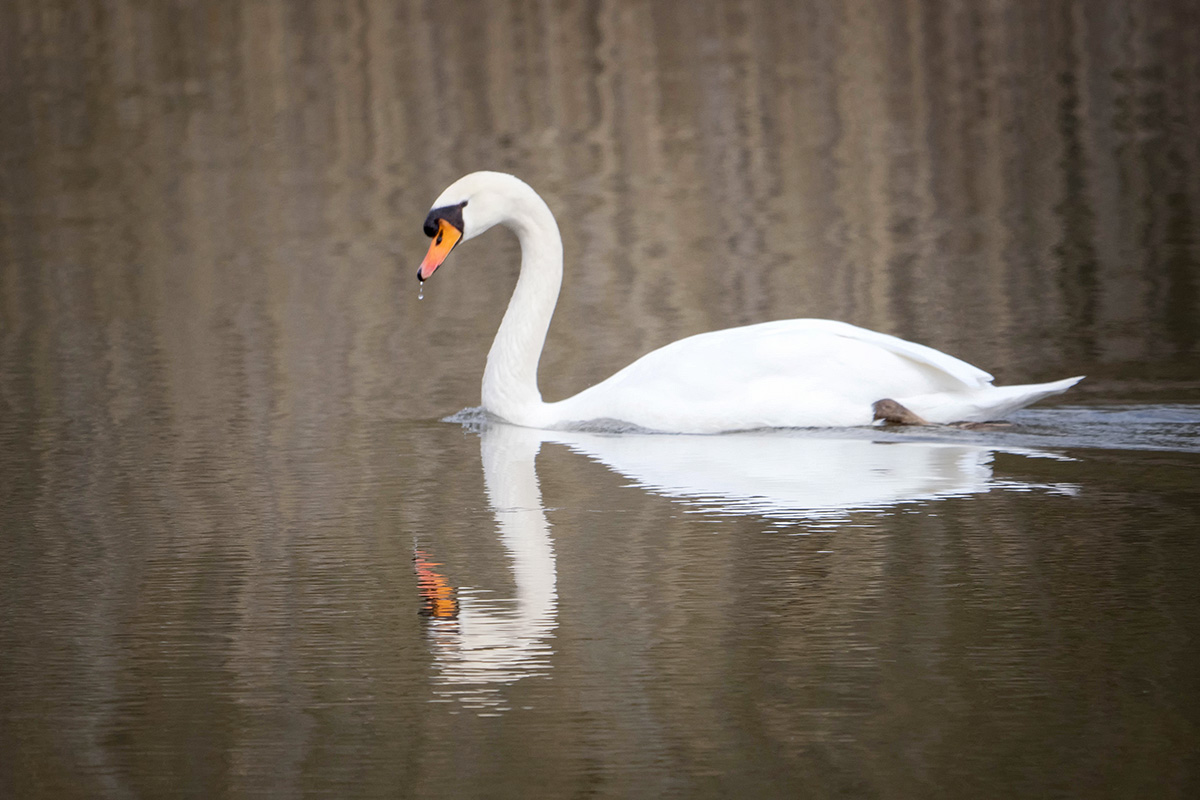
{"points": [[889, 410]]}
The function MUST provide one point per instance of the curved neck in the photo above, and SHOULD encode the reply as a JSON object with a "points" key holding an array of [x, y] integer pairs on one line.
{"points": [[510, 380]]}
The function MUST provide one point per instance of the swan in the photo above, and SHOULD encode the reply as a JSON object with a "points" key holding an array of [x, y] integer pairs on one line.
{"points": [[796, 373]]}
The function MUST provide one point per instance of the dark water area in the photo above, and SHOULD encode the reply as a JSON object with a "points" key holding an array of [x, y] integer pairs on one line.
{"points": [[243, 553]]}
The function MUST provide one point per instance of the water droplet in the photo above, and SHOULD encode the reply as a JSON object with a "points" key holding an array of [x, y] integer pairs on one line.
{"points": [[421, 292]]}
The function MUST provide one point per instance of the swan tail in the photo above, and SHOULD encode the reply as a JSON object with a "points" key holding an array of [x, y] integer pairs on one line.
{"points": [[985, 404], [1015, 397]]}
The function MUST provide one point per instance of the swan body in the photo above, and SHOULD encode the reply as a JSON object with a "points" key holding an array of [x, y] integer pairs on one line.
{"points": [[786, 374]]}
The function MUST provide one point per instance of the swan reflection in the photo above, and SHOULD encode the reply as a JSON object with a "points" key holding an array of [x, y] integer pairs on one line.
{"points": [[481, 643], [796, 474]]}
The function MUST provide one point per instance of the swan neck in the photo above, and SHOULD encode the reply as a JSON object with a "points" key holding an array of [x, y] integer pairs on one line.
{"points": [[510, 388]]}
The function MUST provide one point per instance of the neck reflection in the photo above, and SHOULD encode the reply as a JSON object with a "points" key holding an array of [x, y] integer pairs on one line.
{"points": [[480, 642]]}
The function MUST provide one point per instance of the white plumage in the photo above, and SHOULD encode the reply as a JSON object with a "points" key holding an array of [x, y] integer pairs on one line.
{"points": [[789, 373]]}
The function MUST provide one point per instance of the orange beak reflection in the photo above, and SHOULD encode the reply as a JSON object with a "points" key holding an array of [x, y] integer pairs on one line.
{"points": [[447, 236], [437, 596]]}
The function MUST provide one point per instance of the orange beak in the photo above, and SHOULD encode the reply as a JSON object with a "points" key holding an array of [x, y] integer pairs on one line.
{"points": [[447, 236]]}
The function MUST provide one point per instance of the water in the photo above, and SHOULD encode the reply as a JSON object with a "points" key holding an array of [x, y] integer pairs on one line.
{"points": [[243, 554]]}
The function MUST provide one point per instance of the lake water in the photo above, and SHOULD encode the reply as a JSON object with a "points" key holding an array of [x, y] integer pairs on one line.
{"points": [[254, 542]]}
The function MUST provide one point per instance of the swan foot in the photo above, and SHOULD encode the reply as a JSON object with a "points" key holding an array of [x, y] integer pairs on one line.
{"points": [[889, 410]]}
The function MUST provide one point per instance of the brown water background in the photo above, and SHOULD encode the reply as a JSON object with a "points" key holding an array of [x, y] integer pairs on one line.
{"points": [[220, 398]]}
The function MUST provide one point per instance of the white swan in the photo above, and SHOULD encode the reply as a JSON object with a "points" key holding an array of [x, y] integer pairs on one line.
{"points": [[786, 374]]}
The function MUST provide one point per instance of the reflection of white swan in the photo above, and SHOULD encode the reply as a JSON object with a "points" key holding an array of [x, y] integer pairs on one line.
{"points": [[784, 374], [792, 474], [481, 643]]}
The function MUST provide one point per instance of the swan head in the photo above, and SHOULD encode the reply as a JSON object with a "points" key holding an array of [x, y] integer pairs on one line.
{"points": [[469, 206]]}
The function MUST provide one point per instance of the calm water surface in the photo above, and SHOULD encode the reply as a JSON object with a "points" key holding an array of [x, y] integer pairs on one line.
{"points": [[243, 551]]}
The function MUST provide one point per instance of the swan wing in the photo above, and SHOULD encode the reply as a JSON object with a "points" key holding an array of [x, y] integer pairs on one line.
{"points": [[946, 365], [786, 373]]}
